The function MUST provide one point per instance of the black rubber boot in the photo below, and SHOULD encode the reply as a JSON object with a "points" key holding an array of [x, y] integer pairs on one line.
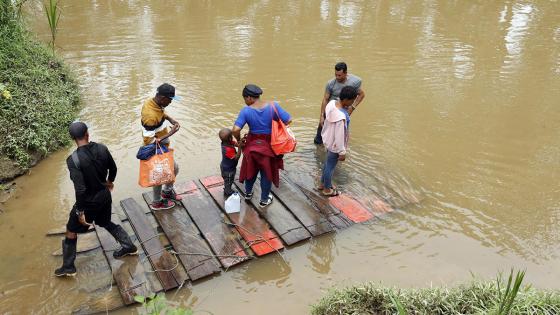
{"points": [[128, 248], [68, 257]]}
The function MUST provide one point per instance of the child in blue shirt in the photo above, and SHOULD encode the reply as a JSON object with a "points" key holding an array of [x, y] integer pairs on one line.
{"points": [[230, 158]]}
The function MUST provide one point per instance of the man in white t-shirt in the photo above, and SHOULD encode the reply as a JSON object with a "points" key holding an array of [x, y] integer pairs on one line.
{"points": [[332, 91]]}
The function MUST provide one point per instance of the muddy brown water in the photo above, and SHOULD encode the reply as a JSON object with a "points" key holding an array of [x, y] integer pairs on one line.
{"points": [[461, 115]]}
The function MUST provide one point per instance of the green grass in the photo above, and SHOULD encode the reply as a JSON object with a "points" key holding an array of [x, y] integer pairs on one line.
{"points": [[38, 95], [476, 297]]}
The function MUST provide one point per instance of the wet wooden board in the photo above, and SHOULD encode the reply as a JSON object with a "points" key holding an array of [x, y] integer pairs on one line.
{"points": [[86, 242], [376, 205], [335, 217], [185, 187], [282, 221], [185, 238], [128, 272], [162, 261], [93, 271], [354, 210], [62, 230], [150, 274], [207, 217], [254, 230], [103, 301], [296, 201]]}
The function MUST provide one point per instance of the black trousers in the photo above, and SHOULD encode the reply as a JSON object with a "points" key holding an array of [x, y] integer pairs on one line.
{"points": [[101, 215], [229, 177]]}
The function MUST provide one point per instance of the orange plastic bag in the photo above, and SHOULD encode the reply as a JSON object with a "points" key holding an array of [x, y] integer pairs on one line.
{"points": [[157, 170], [282, 139]]}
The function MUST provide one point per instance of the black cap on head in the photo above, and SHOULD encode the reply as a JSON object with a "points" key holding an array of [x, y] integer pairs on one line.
{"points": [[252, 91], [77, 130], [166, 90]]}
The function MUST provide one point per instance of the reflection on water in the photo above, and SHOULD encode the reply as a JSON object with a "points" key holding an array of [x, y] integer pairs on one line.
{"points": [[457, 133]]}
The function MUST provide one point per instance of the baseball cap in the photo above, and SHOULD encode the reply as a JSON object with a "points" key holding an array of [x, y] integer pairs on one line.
{"points": [[168, 90], [77, 130]]}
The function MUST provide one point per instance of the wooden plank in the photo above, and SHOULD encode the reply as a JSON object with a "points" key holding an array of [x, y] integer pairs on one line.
{"points": [[86, 242], [354, 210], [185, 187], [185, 238], [335, 217], [284, 223], [150, 274], [254, 230], [128, 272], [102, 301], [221, 237], [62, 230], [301, 207], [162, 261]]}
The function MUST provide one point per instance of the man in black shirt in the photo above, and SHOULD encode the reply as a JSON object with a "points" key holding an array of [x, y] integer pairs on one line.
{"points": [[93, 170]]}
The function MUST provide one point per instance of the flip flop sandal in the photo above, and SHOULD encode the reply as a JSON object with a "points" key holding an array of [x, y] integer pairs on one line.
{"points": [[322, 188], [333, 193]]}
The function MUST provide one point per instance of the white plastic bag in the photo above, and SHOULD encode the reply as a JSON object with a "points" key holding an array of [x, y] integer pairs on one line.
{"points": [[233, 203]]}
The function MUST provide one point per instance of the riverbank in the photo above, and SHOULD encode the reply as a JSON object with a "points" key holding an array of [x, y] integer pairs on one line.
{"points": [[476, 297], [38, 97]]}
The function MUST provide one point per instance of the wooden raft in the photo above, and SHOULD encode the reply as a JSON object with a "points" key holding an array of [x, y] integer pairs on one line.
{"points": [[284, 223], [196, 237], [164, 264], [194, 253], [207, 216], [254, 230], [296, 201], [129, 273]]}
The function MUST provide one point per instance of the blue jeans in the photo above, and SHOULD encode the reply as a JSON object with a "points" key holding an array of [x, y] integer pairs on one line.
{"points": [[328, 169], [266, 185]]}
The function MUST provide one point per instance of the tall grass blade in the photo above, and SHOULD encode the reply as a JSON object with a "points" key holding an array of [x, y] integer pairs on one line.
{"points": [[398, 306], [52, 11], [508, 296]]}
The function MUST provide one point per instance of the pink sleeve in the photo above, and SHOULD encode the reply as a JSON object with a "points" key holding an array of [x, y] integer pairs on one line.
{"points": [[339, 136]]}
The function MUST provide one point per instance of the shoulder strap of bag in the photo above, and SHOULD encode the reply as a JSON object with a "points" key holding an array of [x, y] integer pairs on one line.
{"points": [[75, 159], [275, 110]]}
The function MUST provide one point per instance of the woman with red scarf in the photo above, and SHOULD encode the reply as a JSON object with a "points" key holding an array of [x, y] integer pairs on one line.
{"points": [[258, 156]]}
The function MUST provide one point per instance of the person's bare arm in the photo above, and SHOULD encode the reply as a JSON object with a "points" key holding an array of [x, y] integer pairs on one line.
{"points": [[236, 131], [173, 121], [323, 106], [359, 99]]}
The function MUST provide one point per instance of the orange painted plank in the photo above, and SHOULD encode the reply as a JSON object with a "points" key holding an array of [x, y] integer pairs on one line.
{"points": [[354, 210], [254, 230]]}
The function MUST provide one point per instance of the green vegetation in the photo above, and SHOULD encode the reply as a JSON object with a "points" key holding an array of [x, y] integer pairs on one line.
{"points": [[53, 16], [38, 96], [476, 297], [159, 305]]}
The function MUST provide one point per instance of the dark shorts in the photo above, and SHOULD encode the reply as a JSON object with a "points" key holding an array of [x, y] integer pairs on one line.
{"points": [[100, 216]]}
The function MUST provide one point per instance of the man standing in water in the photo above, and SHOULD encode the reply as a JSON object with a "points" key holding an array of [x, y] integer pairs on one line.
{"points": [[93, 171], [332, 92], [154, 129]]}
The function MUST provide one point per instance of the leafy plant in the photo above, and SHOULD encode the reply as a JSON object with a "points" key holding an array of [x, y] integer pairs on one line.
{"points": [[53, 16], [159, 305]]}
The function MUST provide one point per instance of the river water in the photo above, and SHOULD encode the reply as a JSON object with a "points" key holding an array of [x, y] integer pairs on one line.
{"points": [[457, 132]]}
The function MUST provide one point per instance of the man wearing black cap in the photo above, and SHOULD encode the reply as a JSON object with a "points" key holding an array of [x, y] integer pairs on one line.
{"points": [[93, 171], [154, 129]]}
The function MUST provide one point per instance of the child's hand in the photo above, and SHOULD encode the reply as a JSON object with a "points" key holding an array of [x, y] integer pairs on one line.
{"points": [[341, 157]]}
